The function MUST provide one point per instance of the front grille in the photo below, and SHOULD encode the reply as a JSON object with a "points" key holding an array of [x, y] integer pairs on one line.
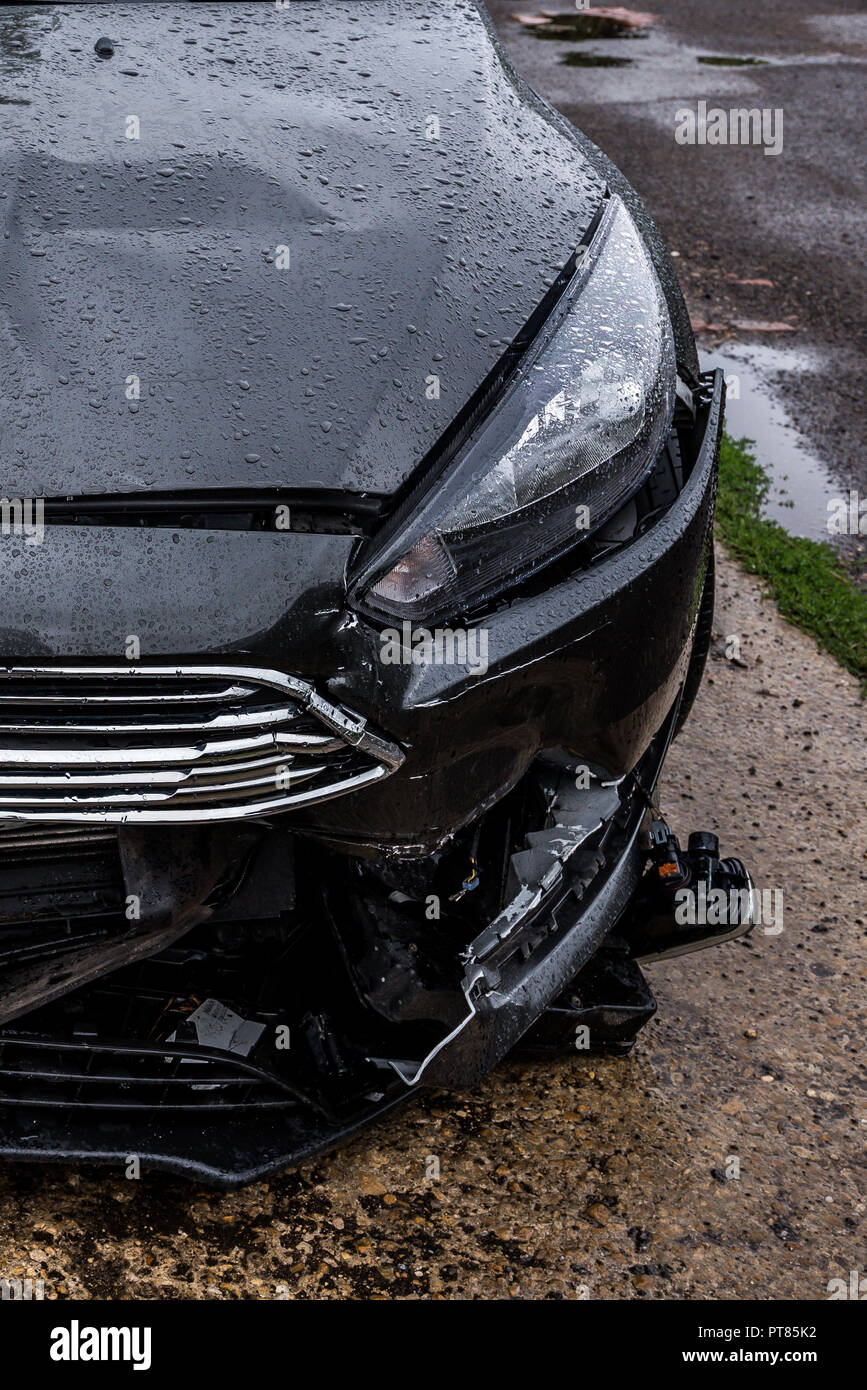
{"points": [[165, 745], [86, 1072]]}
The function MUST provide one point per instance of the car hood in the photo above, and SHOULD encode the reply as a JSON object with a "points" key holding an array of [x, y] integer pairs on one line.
{"points": [[262, 247]]}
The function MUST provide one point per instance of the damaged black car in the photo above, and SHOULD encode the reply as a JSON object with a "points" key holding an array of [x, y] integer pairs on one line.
{"points": [[358, 477]]}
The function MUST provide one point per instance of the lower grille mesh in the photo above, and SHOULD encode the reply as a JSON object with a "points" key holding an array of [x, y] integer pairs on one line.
{"points": [[122, 1076], [162, 745]]}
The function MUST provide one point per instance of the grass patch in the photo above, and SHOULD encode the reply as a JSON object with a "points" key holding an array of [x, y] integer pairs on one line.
{"points": [[806, 579]]}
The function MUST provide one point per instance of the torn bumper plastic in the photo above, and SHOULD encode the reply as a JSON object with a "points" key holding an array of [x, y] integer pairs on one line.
{"points": [[207, 1060], [563, 907]]}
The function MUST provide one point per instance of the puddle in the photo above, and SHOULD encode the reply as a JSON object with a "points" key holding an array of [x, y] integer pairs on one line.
{"points": [[594, 60], [659, 68], [574, 28], [727, 62], [801, 484]]}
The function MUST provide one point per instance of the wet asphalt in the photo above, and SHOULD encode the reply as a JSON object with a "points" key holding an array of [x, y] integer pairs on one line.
{"points": [[725, 1157], [731, 213]]}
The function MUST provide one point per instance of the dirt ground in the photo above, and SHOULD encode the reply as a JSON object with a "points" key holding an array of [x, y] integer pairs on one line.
{"points": [[592, 1178]]}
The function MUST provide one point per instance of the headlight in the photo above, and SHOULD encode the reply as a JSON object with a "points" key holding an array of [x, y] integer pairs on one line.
{"points": [[573, 435]]}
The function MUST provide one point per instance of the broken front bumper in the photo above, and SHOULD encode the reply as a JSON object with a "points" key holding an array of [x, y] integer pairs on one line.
{"points": [[356, 1005], [298, 1054]]}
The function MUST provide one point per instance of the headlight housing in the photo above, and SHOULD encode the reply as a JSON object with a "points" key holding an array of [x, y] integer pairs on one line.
{"points": [[572, 437]]}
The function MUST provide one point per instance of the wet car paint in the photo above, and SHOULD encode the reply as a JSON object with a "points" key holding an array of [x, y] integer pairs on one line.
{"points": [[283, 255], [162, 235]]}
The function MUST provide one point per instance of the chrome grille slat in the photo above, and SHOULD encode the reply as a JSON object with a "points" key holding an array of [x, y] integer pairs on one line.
{"points": [[171, 753], [228, 692], [251, 718], [66, 812], [168, 744], [174, 777], [132, 796], [154, 785]]}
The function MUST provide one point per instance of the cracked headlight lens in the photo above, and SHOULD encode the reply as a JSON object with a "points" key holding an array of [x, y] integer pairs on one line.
{"points": [[571, 438]]}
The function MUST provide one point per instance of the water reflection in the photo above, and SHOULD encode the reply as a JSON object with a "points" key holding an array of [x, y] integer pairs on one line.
{"points": [[22, 29]]}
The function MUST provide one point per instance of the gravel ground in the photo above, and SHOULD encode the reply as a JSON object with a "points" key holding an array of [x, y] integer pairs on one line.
{"points": [[600, 1178]]}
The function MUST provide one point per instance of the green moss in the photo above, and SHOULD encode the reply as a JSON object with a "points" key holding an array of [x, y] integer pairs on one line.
{"points": [[806, 579]]}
